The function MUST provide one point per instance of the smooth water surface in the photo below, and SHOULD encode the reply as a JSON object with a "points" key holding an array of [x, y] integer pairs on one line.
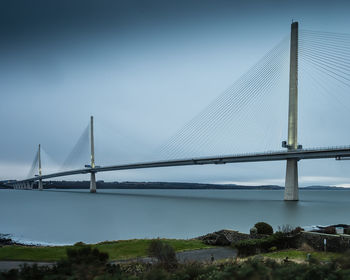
{"points": [[65, 217]]}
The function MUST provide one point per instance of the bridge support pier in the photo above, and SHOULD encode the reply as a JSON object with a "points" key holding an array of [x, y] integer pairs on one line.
{"points": [[40, 185], [291, 191], [93, 182]]}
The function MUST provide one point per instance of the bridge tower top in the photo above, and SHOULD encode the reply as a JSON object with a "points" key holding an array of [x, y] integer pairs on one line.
{"points": [[92, 142], [39, 159], [92, 174], [293, 89]]}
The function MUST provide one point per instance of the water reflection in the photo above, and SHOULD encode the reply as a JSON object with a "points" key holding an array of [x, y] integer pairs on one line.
{"points": [[58, 216]]}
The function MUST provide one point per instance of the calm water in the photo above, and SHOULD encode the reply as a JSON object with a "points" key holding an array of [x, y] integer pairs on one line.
{"points": [[65, 217]]}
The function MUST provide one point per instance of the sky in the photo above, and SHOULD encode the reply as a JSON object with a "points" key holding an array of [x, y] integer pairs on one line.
{"points": [[143, 69]]}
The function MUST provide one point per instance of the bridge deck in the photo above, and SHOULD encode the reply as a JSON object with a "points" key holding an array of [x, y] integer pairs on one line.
{"points": [[331, 152]]}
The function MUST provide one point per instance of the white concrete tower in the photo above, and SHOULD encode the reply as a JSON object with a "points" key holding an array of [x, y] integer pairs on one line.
{"points": [[40, 183], [92, 174], [291, 191]]}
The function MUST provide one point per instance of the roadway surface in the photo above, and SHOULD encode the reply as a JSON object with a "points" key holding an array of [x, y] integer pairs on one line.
{"points": [[331, 152], [203, 255]]}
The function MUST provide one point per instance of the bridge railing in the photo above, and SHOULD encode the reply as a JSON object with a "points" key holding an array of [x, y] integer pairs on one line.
{"points": [[194, 160], [332, 148]]}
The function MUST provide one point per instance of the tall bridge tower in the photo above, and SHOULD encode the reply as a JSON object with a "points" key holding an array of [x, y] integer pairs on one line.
{"points": [[40, 182], [291, 191], [92, 174]]}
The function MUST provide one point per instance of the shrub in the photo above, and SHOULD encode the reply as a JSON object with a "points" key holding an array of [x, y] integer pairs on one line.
{"points": [[276, 241], [163, 252], [347, 230], [192, 270], [286, 229], [86, 255], [79, 244], [297, 230], [272, 249], [157, 274], [344, 260], [253, 246], [289, 230], [84, 263], [264, 228], [155, 248], [253, 230]]}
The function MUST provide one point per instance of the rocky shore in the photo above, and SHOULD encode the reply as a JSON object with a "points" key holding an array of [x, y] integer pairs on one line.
{"points": [[226, 237], [6, 240]]}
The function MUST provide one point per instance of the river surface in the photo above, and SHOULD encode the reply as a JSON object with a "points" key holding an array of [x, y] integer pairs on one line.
{"points": [[66, 217]]}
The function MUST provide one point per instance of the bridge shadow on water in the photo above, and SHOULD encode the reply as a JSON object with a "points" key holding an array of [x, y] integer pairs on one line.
{"points": [[191, 196]]}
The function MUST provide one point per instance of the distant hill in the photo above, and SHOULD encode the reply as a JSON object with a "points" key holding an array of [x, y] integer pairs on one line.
{"points": [[310, 188], [169, 185]]}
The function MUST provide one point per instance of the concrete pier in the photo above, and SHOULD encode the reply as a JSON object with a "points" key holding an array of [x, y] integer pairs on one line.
{"points": [[92, 182], [40, 185], [291, 191]]}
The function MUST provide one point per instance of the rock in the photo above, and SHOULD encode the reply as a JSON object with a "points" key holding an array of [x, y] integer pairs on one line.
{"points": [[222, 240], [226, 237], [5, 240], [223, 237]]}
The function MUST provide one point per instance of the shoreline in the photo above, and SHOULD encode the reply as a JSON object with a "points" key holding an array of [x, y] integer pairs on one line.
{"points": [[71, 185], [8, 239]]}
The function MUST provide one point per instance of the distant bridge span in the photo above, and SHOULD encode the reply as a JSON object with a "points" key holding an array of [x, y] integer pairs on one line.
{"points": [[319, 153]]}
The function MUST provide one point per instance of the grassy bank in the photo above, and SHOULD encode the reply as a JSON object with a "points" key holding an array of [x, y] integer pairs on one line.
{"points": [[293, 254], [117, 250]]}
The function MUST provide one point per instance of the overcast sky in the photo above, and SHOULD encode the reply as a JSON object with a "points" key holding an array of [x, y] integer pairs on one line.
{"points": [[144, 69]]}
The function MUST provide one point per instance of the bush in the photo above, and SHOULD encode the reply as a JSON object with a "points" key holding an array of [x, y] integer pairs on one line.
{"points": [[253, 230], [289, 230], [344, 260], [276, 241], [297, 230], [272, 249], [347, 230], [191, 270], [264, 228], [163, 252], [84, 263], [87, 255]]}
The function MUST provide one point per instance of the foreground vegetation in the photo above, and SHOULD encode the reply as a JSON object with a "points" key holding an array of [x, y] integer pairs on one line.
{"points": [[87, 263], [117, 250], [300, 255]]}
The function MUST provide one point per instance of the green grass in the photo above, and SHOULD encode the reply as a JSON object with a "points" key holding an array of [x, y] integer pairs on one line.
{"points": [[301, 255], [117, 250]]}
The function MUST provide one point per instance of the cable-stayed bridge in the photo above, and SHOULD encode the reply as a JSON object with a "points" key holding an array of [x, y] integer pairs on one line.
{"points": [[327, 53]]}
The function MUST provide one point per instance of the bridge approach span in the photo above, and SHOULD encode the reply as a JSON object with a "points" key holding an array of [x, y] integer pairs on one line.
{"points": [[319, 153]]}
